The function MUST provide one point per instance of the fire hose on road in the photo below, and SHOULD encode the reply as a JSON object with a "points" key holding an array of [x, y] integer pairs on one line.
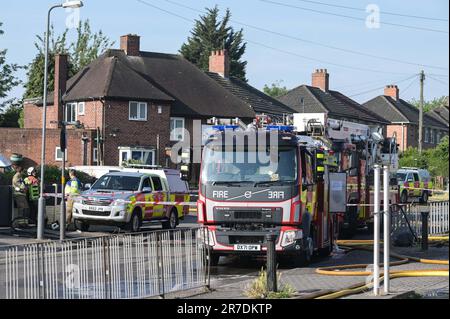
{"points": [[344, 270]]}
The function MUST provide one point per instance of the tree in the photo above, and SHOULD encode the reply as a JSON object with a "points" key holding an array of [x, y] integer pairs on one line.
{"points": [[430, 105], [435, 159], [11, 115], [8, 78], [275, 90], [438, 159], [211, 33], [81, 52]]}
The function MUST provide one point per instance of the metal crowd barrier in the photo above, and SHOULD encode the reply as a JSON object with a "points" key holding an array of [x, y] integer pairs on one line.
{"points": [[126, 266], [438, 223]]}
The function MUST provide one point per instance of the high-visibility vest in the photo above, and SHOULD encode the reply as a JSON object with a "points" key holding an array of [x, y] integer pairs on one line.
{"points": [[33, 187], [73, 187]]}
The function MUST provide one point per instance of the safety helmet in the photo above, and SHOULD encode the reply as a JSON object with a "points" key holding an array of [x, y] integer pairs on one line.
{"points": [[30, 170]]}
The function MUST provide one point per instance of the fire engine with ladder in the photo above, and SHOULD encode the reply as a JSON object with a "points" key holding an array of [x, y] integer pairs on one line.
{"points": [[295, 192]]}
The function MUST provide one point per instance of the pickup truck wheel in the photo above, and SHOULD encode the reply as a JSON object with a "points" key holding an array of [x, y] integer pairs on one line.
{"points": [[424, 198], [404, 197], [81, 225], [172, 222], [135, 222]]}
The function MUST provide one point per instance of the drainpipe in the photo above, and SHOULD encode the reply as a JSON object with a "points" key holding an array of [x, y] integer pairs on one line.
{"points": [[403, 137], [101, 147]]}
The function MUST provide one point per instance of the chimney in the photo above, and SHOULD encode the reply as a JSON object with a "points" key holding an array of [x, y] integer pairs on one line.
{"points": [[130, 43], [392, 91], [61, 73], [321, 79], [219, 62]]}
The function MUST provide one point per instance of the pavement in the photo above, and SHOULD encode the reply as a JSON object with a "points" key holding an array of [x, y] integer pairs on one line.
{"points": [[233, 275], [306, 282]]}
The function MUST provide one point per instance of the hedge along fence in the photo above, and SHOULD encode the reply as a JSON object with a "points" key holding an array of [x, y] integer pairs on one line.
{"points": [[52, 175]]}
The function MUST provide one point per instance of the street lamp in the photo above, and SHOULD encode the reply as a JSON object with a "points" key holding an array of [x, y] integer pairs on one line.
{"points": [[41, 205]]}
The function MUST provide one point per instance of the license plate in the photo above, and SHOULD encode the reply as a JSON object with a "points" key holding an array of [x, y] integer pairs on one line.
{"points": [[95, 208], [247, 247]]}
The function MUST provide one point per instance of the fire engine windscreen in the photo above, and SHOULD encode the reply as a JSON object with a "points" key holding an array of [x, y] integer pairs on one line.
{"points": [[116, 183], [231, 165]]}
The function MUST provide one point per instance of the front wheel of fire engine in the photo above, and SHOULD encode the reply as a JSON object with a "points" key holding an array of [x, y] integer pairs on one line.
{"points": [[135, 222], [305, 256], [172, 222], [213, 259], [404, 197]]}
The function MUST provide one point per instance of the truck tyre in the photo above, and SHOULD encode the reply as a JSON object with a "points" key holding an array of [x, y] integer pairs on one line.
{"points": [[213, 259], [172, 222], [135, 222], [304, 257], [325, 252], [424, 198], [404, 197], [81, 225]]}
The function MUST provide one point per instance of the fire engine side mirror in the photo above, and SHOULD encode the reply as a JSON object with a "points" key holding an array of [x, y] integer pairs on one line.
{"points": [[185, 173]]}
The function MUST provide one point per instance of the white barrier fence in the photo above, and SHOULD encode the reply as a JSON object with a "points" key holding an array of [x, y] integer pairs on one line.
{"points": [[116, 267], [438, 222]]}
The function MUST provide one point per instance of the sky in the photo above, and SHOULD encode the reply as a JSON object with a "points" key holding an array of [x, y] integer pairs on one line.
{"points": [[301, 36]]}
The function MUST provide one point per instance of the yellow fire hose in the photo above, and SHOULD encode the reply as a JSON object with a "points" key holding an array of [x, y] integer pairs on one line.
{"points": [[362, 287]]}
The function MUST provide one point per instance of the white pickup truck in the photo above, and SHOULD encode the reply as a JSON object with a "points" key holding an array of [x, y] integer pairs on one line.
{"points": [[129, 197]]}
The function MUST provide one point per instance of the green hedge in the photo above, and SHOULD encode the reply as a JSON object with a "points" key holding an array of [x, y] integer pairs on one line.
{"points": [[52, 175]]}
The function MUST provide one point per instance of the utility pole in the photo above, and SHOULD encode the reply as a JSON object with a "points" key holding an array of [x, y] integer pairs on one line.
{"points": [[422, 80]]}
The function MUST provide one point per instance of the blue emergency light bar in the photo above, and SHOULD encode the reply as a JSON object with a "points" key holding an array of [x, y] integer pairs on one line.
{"points": [[222, 128], [281, 128]]}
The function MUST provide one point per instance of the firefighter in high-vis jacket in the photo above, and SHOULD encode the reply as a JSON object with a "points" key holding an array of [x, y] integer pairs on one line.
{"points": [[72, 190], [32, 183]]}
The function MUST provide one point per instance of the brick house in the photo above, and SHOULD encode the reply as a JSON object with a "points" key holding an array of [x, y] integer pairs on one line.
{"points": [[404, 120], [133, 105], [318, 98]]}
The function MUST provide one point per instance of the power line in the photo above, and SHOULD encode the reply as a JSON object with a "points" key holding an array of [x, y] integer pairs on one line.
{"points": [[321, 61], [350, 17], [383, 12], [276, 49], [166, 11], [437, 80], [360, 85], [410, 85], [379, 88], [312, 42]]}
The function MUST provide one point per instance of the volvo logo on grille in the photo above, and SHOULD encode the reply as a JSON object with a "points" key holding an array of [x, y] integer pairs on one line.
{"points": [[248, 194]]}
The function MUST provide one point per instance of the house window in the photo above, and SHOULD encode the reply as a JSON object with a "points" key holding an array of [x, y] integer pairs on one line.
{"points": [[71, 113], [81, 108], [427, 135], [176, 129], [138, 156], [59, 154], [137, 111], [432, 132], [159, 109]]}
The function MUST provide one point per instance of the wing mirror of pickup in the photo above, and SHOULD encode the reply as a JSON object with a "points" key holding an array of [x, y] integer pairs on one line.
{"points": [[147, 190], [87, 187]]}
